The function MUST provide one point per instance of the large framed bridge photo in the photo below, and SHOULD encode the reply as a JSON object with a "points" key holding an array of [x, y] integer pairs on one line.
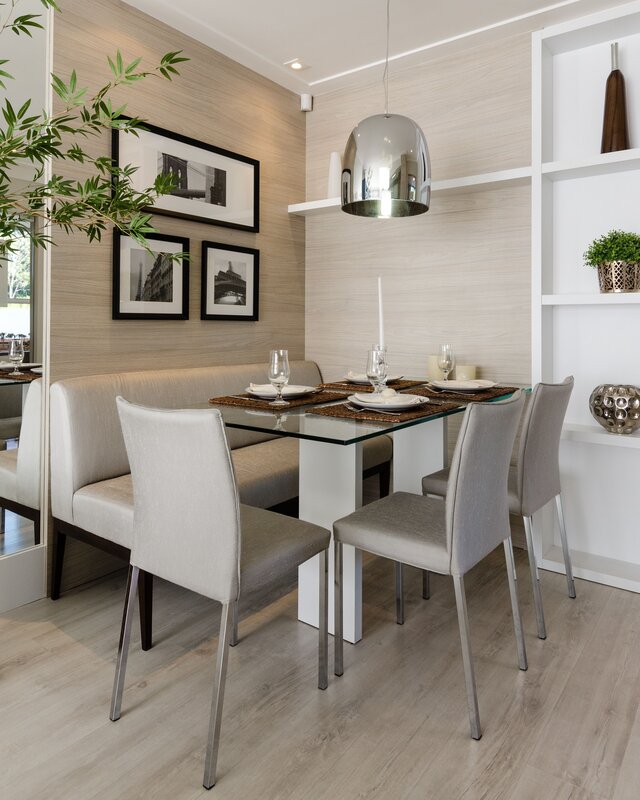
{"points": [[211, 184], [230, 279]]}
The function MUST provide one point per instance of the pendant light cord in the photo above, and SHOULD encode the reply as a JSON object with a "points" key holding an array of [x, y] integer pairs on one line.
{"points": [[385, 74]]}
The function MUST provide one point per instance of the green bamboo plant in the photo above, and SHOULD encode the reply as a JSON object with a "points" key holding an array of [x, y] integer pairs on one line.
{"points": [[92, 205]]}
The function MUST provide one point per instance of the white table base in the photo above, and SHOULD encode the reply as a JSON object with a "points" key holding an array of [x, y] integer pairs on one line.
{"points": [[331, 488]]}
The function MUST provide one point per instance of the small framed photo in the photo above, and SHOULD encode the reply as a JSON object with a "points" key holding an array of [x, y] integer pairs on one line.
{"points": [[150, 285], [230, 277], [212, 185]]}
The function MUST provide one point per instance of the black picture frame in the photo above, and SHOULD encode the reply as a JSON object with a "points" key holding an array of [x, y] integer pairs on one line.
{"points": [[129, 302], [230, 300], [230, 180]]}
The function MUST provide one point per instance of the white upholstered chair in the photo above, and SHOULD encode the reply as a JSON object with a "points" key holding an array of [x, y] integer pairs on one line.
{"points": [[448, 538], [190, 528], [20, 467], [535, 480]]}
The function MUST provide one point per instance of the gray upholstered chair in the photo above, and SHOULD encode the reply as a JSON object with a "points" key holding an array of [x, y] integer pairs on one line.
{"points": [[189, 528], [449, 538], [20, 467], [535, 480]]}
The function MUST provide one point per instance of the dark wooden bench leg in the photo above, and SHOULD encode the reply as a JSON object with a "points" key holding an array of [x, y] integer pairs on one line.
{"points": [[385, 478], [59, 542], [145, 599]]}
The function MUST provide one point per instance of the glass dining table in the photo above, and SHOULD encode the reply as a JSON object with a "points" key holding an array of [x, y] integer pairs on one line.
{"points": [[330, 481]]}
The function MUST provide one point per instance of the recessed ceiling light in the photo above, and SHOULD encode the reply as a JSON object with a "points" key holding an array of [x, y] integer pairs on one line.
{"points": [[296, 64]]}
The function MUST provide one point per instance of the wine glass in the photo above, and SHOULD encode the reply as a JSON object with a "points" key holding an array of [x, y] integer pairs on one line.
{"points": [[279, 374], [16, 355], [446, 360], [377, 369]]}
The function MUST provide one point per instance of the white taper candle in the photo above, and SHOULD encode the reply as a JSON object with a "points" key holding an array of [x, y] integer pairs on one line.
{"points": [[380, 315]]}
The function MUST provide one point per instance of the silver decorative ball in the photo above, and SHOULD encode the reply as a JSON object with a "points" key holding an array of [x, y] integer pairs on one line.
{"points": [[616, 408]]}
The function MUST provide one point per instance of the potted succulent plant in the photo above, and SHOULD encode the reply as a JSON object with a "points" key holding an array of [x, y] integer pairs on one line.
{"points": [[617, 258]]}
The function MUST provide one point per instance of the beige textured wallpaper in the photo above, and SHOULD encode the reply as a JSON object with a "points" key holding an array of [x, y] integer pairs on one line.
{"points": [[461, 272], [214, 100]]}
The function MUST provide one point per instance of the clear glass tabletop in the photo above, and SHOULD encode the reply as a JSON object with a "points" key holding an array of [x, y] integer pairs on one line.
{"points": [[300, 425]]}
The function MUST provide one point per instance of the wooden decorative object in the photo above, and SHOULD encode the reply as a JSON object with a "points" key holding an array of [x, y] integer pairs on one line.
{"points": [[615, 132]]}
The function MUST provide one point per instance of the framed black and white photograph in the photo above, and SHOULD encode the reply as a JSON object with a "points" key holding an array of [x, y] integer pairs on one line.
{"points": [[229, 282], [211, 185], [150, 285]]}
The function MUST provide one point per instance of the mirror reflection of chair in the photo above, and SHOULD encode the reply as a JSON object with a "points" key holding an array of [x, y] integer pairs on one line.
{"points": [[190, 529], [20, 466], [535, 480], [448, 538]]}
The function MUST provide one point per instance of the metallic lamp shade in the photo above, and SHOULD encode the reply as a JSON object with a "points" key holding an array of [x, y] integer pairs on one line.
{"points": [[385, 168]]}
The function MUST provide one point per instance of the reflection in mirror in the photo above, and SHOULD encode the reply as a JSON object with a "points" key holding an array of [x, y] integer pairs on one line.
{"points": [[20, 404]]}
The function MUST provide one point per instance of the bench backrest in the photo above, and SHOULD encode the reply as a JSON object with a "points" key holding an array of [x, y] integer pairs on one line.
{"points": [[29, 448], [86, 439]]}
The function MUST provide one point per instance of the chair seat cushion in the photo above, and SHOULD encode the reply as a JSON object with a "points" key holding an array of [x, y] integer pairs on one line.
{"points": [[274, 545], [8, 468], [105, 509], [405, 527], [437, 482]]}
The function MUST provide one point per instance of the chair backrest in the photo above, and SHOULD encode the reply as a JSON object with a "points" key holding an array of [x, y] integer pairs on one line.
{"points": [[538, 467], [29, 448], [186, 519], [477, 514]]}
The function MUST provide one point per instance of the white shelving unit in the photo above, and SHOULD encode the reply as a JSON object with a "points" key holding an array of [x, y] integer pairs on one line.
{"points": [[577, 195], [469, 183]]}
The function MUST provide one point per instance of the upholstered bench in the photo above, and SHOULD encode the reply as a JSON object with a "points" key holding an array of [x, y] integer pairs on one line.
{"points": [[91, 490]]}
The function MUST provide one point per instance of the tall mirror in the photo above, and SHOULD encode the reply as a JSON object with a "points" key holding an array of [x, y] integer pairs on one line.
{"points": [[23, 289]]}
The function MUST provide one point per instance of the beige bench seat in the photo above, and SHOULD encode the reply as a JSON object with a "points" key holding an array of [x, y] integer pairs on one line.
{"points": [[91, 492]]}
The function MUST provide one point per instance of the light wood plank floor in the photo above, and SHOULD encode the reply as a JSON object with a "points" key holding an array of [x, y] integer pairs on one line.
{"points": [[395, 726]]}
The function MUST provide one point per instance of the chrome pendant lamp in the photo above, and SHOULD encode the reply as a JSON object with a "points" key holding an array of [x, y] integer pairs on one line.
{"points": [[385, 168]]}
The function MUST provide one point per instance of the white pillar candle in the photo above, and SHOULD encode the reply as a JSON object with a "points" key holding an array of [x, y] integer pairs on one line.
{"points": [[380, 316], [465, 372]]}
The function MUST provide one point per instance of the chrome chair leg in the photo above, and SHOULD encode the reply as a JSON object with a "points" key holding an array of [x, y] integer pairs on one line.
{"points": [[426, 584], [213, 741], [323, 622], [467, 657], [123, 645], [399, 594], [515, 609], [338, 645], [233, 639], [535, 580], [565, 548]]}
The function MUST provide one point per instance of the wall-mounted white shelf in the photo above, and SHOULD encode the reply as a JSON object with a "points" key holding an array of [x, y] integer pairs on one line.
{"points": [[583, 299], [594, 434], [519, 176], [599, 164]]}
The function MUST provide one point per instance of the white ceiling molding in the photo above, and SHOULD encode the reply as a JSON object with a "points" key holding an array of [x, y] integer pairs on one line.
{"points": [[336, 38]]}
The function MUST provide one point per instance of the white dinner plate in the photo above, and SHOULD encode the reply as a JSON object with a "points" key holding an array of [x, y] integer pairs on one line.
{"points": [[360, 378], [266, 391], [396, 402], [464, 386], [9, 365], [37, 370]]}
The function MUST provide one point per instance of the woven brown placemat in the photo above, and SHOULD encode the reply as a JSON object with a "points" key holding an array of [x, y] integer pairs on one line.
{"points": [[25, 377], [245, 401], [466, 397], [344, 412], [345, 386]]}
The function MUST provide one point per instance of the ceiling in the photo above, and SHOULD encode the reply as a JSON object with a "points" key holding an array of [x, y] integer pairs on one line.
{"points": [[339, 40]]}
